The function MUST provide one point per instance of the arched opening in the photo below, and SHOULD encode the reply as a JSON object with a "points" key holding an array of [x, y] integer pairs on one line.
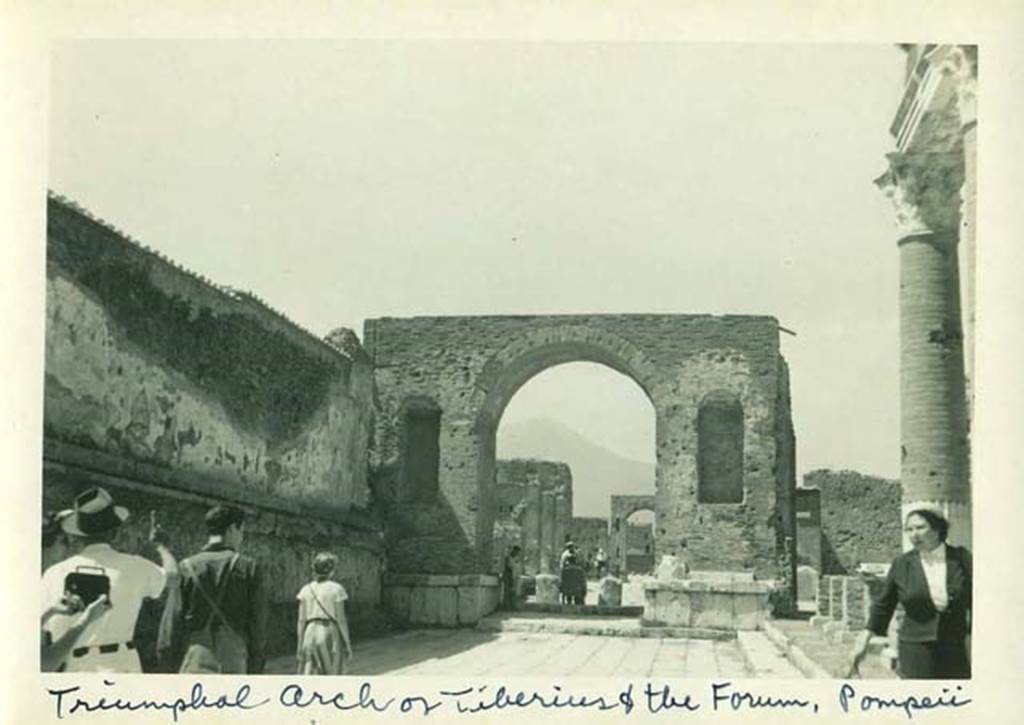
{"points": [[639, 543], [569, 437]]}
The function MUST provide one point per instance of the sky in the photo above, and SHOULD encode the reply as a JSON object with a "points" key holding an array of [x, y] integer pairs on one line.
{"points": [[342, 181]]}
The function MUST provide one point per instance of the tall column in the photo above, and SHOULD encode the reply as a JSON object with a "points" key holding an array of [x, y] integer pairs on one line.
{"points": [[547, 531], [933, 424], [531, 528], [561, 523]]}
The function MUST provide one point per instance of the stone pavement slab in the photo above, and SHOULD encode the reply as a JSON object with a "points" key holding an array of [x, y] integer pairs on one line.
{"points": [[765, 659], [467, 652], [525, 621]]}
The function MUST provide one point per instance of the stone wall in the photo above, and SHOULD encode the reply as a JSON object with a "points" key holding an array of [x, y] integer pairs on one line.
{"points": [[175, 394], [860, 519], [147, 361]]}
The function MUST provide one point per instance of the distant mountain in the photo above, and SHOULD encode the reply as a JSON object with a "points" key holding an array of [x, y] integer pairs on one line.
{"points": [[597, 472]]}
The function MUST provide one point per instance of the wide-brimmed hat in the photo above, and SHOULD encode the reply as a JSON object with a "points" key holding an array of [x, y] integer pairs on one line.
{"points": [[94, 513]]}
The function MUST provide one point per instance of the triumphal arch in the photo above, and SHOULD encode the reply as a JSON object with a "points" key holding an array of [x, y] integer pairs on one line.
{"points": [[718, 385]]}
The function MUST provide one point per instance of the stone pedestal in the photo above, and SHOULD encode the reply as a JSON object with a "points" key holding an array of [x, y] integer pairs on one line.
{"points": [[672, 568], [548, 519], [441, 600], [547, 589], [807, 584], [610, 594], [725, 604]]}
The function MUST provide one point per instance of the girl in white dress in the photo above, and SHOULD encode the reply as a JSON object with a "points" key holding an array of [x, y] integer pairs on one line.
{"points": [[324, 645]]}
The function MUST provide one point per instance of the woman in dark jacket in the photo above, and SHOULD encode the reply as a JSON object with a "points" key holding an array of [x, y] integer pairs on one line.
{"points": [[933, 583]]}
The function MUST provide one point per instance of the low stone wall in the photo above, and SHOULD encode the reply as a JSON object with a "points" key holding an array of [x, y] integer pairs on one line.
{"points": [[859, 519], [440, 600]]}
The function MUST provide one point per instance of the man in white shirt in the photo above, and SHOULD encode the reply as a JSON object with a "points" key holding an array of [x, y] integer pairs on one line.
{"points": [[106, 644]]}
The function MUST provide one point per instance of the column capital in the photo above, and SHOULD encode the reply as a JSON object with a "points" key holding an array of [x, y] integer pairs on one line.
{"points": [[925, 191]]}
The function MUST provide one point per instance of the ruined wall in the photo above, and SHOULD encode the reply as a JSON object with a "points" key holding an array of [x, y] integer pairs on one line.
{"points": [[518, 518], [470, 367], [176, 394], [860, 519], [639, 548]]}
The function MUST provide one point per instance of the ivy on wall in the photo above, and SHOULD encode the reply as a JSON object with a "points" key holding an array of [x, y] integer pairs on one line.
{"points": [[265, 381]]}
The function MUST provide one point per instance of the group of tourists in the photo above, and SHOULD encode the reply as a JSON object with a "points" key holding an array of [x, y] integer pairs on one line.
{"points": [[572, 569], [215, 602]]}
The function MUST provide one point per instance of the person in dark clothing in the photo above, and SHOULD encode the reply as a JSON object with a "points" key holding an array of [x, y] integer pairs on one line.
{"points": [[510, 578], [933, 582], [219, 617]]}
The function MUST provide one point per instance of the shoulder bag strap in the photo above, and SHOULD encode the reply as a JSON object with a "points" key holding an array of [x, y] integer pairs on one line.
{"points": [[215, 604], [325, 611]]}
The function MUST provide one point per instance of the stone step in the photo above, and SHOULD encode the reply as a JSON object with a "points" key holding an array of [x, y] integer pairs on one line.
{"points": [[820, 657], [764, 658], [538, 622], [584, 609]]}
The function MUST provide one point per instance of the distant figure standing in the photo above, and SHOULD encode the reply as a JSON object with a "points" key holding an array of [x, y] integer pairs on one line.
{"points": [[322, 624], [567, 556], [510, 578], [220, 612], [601, 562]]}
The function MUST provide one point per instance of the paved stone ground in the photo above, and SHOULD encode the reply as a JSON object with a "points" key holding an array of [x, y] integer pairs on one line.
{"points": [[507, 654]]}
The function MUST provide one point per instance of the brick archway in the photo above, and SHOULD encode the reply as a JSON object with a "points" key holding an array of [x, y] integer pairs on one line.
{"points": [[472, 366]]}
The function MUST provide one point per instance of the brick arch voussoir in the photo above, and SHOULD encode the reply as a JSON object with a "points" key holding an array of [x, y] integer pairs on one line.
{"points": [[629, 359]]}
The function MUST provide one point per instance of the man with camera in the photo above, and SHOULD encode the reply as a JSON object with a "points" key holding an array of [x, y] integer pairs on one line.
{"points": [[99, 570]]}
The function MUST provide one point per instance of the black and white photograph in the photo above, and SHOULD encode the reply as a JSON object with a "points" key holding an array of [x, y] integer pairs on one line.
{"points": [[485, 358]]}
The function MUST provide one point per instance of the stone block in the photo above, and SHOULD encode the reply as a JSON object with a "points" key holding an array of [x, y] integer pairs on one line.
{"points": [[711, 609], [806, 584], [547, 589], [666, 606], [471, 604], [721, 576], [419, 612], [749, 611], [398, 602], [610, 594], [447, 607], [834, 630], [491, 599]]}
